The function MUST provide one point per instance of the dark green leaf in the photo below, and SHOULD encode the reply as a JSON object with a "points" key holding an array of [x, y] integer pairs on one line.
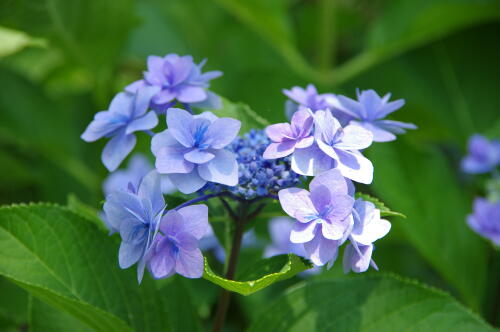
{"points": [[249, 118], [384, 210], [65, 261], [378, 303], [262, 274]]}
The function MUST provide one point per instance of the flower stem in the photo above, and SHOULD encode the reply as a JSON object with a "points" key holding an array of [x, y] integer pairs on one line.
{"points": [[326, 34], [225, 297], [206, 198]]}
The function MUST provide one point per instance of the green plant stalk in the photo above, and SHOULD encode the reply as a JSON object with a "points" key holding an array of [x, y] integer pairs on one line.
{"points": [[326, 35]]}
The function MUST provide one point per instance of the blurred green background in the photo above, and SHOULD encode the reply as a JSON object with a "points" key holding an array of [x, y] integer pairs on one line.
{"points": [[61, 61]]}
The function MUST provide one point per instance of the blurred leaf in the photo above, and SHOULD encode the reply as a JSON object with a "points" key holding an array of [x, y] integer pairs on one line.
{"points": [[87, 212], [380, 303], [13, 306], [384, 210], [12, 41], [262, 274], [44, 318], [249, 118], [64, 260], [420, 184]]}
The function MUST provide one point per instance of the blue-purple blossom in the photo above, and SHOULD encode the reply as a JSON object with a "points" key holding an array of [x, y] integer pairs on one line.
{"points": [[257, 176], [485, 219], [369, 112], [127, 114], [310, 99], [287, 137], [483, 157], [136, 215], [335, 147], [323, 215], [179, 79], [175, 248], [137, 168], [368, 227], [191, 151]]}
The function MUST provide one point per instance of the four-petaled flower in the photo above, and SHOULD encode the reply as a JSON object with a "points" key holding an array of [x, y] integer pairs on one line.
{"points": [[175, 248], [191, 151], [484, 155], [335, 147], [136, 214], [485, 220], [287, 137], [368, 227], [369, 112], [127, 114], [178, 78], [323, 215]]}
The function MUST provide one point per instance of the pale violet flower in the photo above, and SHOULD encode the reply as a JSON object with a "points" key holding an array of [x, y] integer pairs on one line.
{"points": [[191, 151], [368, 228], [178, 79], [287, 137], [136, 215], [485, 219], [323, 215], [137, 168], [369, 112], [483, 157], [127, 114], [175, 248], [335, 147]]}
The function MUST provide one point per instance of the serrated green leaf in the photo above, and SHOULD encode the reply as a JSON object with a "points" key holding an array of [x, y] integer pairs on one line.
{"points": [[263, 274], [248, 117], [379, 303], [384, 210], [67, 262]]}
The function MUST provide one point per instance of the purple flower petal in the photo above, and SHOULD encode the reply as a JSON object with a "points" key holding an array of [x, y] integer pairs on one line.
{"points": [[297, 204], [116, 150], [129, 254], [150, 189], [103, 124], [135, 86], [357, 260], [320, 250], [190, 263], [162, 266], [222, 132], [187, 183], [379, 134], [222, 169], [355, 138], [279, 131], [143, 99], [304, 142], [389, 108], [123, 104], [198, 156], [192, 94], [171, 160], [279, 150], [355, 166], [149, 121], [303, 232], [195, 220], [311, 161], [179, 123], [332, 179], [164, 139]]}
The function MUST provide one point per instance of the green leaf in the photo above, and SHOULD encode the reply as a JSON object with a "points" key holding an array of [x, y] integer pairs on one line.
{"points": [[249, 118], [12, 41], [13, 306], [263, 274], [44, 318], [384, 210], [85, 211], [67, 262], [379, 303]]}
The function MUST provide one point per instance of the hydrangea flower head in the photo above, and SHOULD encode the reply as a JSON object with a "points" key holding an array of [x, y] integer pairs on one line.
{"points": [[485, 220], [336, 147], [178, 78], [323, 215], [484, 155], [127, 114], [368, 227], [257, 176], [370, 110], [175, 248], [191, 151], [136, 214], [286, 137]]}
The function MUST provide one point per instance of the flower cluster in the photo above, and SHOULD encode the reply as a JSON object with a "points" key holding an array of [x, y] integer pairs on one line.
{"points": [[201, 154], [484, 157]]}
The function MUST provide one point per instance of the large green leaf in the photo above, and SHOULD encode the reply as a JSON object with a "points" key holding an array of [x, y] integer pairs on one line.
{"points": [[378, 303], [64, 260], [248, 117], [262, 274], [384, 210]]}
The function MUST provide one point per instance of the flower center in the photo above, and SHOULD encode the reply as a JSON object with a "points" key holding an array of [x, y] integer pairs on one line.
{"points": [[199, 135]]}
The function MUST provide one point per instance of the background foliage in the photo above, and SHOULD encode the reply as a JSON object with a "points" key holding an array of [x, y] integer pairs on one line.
{"points": [[61, 61]]}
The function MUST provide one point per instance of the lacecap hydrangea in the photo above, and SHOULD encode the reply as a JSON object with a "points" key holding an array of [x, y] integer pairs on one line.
{"points": [[308, 165]]}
